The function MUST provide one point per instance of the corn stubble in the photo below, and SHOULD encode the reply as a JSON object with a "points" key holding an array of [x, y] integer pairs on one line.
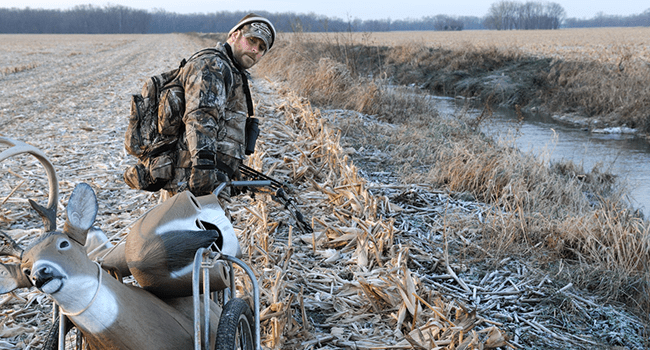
{"points": [[423, 268], [552, 212]]}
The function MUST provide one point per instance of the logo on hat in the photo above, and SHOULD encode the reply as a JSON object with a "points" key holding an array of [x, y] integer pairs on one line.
{"points": [[262, 31]]}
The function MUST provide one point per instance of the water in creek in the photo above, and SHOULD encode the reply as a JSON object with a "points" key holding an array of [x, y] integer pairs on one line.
{"points": [[621, 154]]}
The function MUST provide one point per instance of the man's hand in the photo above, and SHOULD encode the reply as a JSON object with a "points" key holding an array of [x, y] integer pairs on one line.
{"points": [[202, 181]]}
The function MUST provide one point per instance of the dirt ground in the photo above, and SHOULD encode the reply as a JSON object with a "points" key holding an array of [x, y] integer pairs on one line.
{"points": [[69, 96]]}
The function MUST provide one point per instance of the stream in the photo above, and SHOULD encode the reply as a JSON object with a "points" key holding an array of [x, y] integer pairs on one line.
{"points": [[624, 155]]}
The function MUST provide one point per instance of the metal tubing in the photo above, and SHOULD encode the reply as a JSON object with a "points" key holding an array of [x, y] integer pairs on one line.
{"points": [[251, 183], [233, 288], [196, 276], [206, 299], [219, 188], [256, 295], [61, 330], [248, 183], [199, 264]]}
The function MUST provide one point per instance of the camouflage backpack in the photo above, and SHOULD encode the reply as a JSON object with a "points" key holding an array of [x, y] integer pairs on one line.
{"points": [[154, 127]]}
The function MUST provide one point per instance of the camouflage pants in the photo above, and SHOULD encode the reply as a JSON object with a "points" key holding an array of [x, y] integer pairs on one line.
{"points": [[203, 181], [174, 174]]}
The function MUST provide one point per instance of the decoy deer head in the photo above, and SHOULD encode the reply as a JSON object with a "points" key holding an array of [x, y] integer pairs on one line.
{"points": [[110, 314]]}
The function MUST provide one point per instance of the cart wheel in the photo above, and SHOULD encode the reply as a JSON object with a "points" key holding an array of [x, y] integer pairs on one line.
{"points": [[73, 339], [235, 330]]}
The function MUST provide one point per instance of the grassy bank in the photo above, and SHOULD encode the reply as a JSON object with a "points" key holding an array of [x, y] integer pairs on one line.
{"points": [[572, 222], [599, 73], [616, 93]]}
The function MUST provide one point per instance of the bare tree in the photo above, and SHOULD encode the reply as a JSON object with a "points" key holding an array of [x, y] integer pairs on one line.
{"points": [[502, 15], [443, 22], [603, 20], [507, 15], [556, 13]]}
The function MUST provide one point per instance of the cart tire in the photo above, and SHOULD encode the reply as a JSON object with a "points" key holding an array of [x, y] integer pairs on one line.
{"points": [[236, 327], [52, 339]]}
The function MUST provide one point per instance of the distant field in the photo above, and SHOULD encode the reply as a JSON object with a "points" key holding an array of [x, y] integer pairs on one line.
{"points": [[603, 44]]}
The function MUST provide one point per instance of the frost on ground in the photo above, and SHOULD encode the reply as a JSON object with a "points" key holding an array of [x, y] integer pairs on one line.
{"points": [[377, 271]]}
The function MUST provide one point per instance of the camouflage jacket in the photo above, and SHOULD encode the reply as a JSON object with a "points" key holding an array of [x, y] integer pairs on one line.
{"points": [[214, 120]]}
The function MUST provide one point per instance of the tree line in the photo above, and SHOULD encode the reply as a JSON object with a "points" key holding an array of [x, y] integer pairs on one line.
{"points": [[83, 19], [603, 20], [89, 19], [116, 19], [505, 15]]}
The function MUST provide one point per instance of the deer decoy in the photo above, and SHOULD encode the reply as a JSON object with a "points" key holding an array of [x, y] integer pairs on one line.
{"points": [[158, 251]]}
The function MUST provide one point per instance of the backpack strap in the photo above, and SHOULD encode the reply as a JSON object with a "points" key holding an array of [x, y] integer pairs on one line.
{"points": [[214, 163], [244, 78], [242, 71]]}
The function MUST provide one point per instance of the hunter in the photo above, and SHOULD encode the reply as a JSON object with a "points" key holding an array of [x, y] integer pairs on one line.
{"points": [[217, 129], [217, 106]]}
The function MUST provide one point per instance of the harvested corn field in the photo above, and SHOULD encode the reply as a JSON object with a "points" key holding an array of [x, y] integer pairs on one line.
{"points": [[380, 270], [600, 44]]}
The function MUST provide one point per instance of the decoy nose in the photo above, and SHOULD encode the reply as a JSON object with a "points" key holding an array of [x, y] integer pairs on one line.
{"points": [[42, 275]]}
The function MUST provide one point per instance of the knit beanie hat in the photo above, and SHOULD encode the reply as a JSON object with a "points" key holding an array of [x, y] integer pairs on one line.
{"points": [[256, 26]]}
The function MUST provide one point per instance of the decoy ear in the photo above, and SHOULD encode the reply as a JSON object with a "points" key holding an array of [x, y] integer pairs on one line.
{"points": [[81, 210]]}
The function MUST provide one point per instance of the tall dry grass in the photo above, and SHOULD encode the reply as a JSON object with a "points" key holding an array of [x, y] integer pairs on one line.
{"points": [[326, 79], [552, 213], [599, 73], [618, 92]]}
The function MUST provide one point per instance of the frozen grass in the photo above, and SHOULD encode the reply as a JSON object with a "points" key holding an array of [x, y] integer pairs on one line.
{"points": [[546, 212]]}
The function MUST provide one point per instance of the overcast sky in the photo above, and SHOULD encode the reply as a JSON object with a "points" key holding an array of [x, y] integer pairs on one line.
{"points": [[344, 9]]}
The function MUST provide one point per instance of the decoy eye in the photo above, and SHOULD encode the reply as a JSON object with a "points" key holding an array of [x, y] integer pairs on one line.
{"points": [[63, 244]]}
